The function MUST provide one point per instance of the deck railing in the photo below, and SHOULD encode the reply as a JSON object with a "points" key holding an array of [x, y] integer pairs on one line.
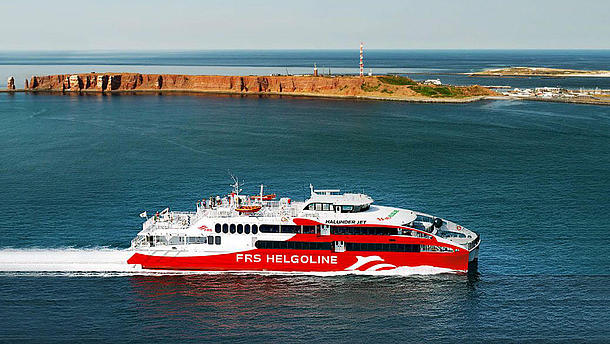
{"points": [[182, 220]]}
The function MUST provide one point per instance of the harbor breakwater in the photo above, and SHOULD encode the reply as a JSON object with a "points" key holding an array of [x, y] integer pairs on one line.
{"points": [[369, 87]]}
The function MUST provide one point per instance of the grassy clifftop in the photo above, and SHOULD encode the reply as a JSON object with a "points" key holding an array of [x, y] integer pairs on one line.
{"points": [[400, 86]]}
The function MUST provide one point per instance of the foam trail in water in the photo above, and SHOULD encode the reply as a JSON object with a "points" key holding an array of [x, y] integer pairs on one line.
{"points": [[106, 260], [67, 259]]}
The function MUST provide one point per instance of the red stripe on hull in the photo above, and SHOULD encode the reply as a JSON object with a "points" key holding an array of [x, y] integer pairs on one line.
{"points": [[304, 261]]}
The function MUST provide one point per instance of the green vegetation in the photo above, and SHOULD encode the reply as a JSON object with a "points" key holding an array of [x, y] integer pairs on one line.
{"points": [[396, 80], [438, 92], [369, 88]]}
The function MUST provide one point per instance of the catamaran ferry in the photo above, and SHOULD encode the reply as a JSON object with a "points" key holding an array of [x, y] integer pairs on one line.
{"points": [[329, 232]]}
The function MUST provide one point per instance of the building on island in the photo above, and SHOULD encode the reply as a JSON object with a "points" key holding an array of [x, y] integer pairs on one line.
{"points": [[433, 82]]}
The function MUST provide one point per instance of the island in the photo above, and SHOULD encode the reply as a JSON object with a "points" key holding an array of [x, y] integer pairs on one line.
{"points": [[385, 87], [378, 87], [540, 71]]}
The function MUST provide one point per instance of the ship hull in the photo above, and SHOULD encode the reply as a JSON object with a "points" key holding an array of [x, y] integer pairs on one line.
{"points": [[300, 261]]}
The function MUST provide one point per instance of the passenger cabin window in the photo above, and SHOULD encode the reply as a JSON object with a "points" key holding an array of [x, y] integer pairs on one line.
{"points": [[247, 229], [341, 230], [431, 248], [270, 229], [356, 246], [254, 229], [359, 208], [290, 229], [232, 230], [417, 225], [196, 240], [176, 240], [225, 228], [292, 245], [319, 207], [446, 234], [424, 218], [217, 228], [342, 208], [309, 229], [280, 229], [240, 229]]}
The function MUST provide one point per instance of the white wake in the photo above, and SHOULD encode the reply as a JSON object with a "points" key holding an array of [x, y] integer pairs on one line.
{"points": [[65, 259]]}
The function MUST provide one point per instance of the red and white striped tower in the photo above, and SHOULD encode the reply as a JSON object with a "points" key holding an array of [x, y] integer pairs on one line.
{"points": [[361, 60]]}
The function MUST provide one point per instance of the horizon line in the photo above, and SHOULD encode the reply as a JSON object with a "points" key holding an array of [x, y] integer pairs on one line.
{"points": [[303, 49]]}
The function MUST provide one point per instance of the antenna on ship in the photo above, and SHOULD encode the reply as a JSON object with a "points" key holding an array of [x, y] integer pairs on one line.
{"points": [[261, 198], [236, 185]]}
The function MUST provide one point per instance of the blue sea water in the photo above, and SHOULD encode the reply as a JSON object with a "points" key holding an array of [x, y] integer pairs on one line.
{"points": [[533, 178], [448, 65]]}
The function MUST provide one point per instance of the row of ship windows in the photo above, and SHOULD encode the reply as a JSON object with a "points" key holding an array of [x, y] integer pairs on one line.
{"points": [[293, 245], [357, 246], [349, 246], [210, 239], [254, 229], [364, 231], [181, 240], [305, 245], [233, 228], [341, 208], [288, 229]]}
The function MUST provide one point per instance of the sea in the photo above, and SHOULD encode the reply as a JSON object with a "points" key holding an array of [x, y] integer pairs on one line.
{"points": [[533, 178]]}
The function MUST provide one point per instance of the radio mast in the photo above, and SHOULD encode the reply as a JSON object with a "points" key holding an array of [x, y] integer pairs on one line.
{"points": [[361, 59]]}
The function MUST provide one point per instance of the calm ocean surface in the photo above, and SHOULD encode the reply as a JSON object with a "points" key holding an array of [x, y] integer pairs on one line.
{"points": [[533, 178], [447, 65]]}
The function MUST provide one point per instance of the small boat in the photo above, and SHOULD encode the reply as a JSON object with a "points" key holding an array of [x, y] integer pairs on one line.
{"points": [[248, 208], [264, 197]]}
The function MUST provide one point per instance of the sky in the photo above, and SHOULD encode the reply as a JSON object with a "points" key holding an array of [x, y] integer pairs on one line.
{"points": [[338, 24]]}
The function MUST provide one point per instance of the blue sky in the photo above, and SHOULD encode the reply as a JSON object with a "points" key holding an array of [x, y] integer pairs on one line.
{"points": [[227, 24]]}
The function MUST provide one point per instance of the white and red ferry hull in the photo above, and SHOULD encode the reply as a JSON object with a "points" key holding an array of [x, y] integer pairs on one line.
{"points": [[301, 261]]}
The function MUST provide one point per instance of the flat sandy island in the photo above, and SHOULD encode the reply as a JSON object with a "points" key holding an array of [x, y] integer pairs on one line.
{"points": [[540, 71]]}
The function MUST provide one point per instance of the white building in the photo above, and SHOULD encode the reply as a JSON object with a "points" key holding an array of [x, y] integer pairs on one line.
{"points": [[433, 82]]}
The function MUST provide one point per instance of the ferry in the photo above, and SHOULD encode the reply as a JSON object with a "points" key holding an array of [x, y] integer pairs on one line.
{"points": [[329, 232]]}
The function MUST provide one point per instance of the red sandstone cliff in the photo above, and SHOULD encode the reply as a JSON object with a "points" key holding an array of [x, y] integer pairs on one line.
{"points": [[133, 81], [350, 86]]}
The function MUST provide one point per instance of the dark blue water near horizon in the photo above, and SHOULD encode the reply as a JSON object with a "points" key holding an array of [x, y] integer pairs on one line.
{"points": [[432, 59], [447, 65], [533, 178]]}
